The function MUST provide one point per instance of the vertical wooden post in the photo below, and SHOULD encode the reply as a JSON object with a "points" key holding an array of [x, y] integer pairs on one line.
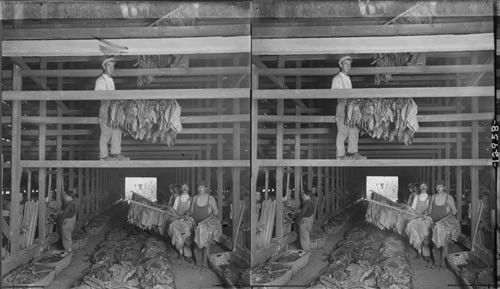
{"points": [[193, 180], [28, 186], [16, 169], [98, 192], [87, 193], [60, 171], [327, 190], [266, 185], [199, 172], [432, 180], [42, 174], [208, 175], [279, 172], [320, 193], [287, 188], [459, 170], [255, 169], [474, 171], [279, 203], [236, 171], [220, 156], [310, 172], [82, 195], [298, 170], [447, 168]]}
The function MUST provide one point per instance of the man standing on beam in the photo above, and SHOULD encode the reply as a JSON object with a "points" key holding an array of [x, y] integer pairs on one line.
{"points": [[342, 81], [105, 82]]}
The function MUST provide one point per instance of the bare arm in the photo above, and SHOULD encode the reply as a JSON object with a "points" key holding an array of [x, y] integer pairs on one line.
{"points": [[213, 205], [191, 207], [451, 205]]}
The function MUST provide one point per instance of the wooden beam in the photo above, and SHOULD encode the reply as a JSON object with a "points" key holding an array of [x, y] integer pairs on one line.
{"points": [[156, 46], [236, 173], [397, 44], [254, 108], [127, 32], [135, 163], [415, 92], [279, 204], [371, 30], [332, 119], [330, 57], [322, 131], [16, 168], [59, 176], [298, 170], [395, 70], [223, 93], [373, 163], [188, 71], [474, 171]]}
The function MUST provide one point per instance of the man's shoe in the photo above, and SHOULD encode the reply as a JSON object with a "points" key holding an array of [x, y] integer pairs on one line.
{"points": [[121, 157], [344, 158], [357, 156]]}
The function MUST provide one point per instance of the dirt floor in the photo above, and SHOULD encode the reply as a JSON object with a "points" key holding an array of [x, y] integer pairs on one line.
{"points": [[422, 276], [186, 277]]}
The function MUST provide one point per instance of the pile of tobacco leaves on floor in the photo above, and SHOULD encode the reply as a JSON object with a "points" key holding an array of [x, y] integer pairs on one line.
{"points": [[28, 274], [367, 259], [268, 272], [129, 259], [53, 257], [289, 257]]}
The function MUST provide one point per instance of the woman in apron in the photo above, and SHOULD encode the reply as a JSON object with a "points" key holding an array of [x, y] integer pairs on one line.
{"points": [[182, 204], [420, 205], [306, 221], [203, 206], [68, 220], [442, 205]]}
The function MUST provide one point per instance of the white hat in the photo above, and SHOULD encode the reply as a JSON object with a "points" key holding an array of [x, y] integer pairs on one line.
{"points": [[347, 57], [109, 59]]}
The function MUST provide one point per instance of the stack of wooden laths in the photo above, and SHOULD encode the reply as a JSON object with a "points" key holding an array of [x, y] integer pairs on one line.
{"points": [[29, 223], [265, 225]]}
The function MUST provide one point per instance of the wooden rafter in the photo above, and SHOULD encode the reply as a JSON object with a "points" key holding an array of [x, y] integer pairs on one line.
{"points": [[129, 94], [156, 46], [346, 45], [406, 92], [371, 30], [373, 163], [40, 32]]}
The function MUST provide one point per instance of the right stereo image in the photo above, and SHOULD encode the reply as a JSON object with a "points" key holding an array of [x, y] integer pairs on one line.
{"points": [[373, 144]]}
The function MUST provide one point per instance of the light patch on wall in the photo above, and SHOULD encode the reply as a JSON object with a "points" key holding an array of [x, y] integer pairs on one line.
{"points": [[386, 186], [145, 187]]}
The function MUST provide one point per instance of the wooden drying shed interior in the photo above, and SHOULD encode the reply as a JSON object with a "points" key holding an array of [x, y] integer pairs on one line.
{"points": [[295, 50], [51, 57]]}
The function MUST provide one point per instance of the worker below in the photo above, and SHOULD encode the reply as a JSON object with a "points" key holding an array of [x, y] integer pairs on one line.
{"points": [[105, 82], [420, 205], [342, 81], [203, 211], [67, 219], [442, 206], [182, 204], [306, 221]]}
